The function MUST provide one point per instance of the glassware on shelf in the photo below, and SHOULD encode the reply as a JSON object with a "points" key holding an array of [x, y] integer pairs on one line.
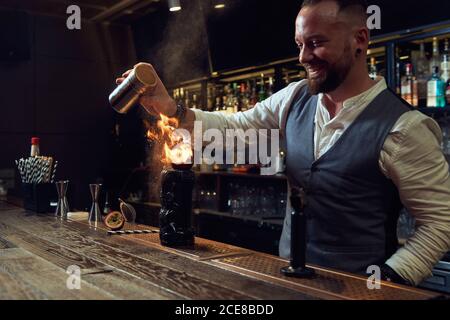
{"points": [[251, 198], [232, 201], [272, 201], [207, 199], [281, 204], [201, 199], [253, 206], [264, 202]]}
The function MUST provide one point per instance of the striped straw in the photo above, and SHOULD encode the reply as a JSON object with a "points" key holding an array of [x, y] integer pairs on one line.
{"points": [[119, 232]]}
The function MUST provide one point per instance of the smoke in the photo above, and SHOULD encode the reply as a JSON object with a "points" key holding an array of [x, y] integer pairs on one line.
{"points": [[155, 168], [182, 53], [154, 163]]}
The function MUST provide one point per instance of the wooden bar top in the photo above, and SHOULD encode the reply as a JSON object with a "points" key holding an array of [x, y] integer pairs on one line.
{"points": [[36, 250]]}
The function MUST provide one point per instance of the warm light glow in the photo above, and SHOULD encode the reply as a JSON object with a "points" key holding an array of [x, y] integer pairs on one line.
{"points": [[220, 6], [177, 148], [174, 5]]}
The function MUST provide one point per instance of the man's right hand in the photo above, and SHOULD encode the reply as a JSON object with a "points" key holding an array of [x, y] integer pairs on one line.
{"points": [[157, 100]]}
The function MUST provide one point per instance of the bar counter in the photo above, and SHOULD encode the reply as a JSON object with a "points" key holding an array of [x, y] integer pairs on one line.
{"points": [[36, 250]]}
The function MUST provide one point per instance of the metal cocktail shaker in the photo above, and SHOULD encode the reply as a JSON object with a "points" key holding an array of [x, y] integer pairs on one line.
{"points": [[127, 94]]}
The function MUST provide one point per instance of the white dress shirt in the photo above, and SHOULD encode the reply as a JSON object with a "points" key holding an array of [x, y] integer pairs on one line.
{"points": [[411, 157]]}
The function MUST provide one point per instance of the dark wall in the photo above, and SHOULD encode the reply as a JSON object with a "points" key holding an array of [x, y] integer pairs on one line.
{"points": [[252, 32], [399, 15], [60, 95]]}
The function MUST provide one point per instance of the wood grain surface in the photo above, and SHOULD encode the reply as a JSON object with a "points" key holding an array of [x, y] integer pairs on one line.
{"points": [[36, 250]]}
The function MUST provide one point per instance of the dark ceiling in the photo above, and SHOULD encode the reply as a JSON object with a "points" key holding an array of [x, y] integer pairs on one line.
{"points": [[117, 11]]}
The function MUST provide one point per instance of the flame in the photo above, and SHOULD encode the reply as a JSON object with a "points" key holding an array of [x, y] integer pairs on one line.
{"points": [[177, 147]]}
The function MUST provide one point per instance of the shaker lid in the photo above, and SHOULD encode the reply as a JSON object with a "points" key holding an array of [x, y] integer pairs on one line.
{"points": [[145, 74]]}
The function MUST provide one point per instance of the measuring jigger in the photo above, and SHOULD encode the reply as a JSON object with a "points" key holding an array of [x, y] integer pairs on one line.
{"points": [[95, 213], [127, 94], [63, 207]]}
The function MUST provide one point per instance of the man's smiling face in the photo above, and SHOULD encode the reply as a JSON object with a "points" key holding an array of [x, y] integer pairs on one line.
{"points": [[324, 40]]}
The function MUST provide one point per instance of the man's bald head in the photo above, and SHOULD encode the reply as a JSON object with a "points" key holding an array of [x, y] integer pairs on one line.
{"points": [[354, 12], [332, 37]]}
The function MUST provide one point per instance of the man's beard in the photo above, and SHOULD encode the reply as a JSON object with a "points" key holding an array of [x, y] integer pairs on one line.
{"points": [[332, 75]]}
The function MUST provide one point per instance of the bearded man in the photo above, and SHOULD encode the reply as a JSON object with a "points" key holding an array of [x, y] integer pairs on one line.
{"points": [[359, 152]]}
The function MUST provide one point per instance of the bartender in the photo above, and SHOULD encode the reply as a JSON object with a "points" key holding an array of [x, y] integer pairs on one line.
{"points": [[360, 152]]}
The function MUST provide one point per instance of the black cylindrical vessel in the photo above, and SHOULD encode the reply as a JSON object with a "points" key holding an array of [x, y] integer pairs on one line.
{"points": [[297, 267], [176, 207]]}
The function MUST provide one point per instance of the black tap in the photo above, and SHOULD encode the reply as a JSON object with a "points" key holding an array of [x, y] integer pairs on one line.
{"points": [[297, 267]]}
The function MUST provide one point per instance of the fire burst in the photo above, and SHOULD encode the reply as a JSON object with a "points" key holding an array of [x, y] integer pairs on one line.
{"points": [[177, 143]]}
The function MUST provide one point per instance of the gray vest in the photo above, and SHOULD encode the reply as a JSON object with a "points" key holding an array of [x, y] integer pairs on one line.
{"points": [[352, 208]]}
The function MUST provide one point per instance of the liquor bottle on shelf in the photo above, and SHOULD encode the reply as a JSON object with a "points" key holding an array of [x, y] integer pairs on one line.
{"points": [[236, 98], [445, 60], [228, 100], [447, 92], [435, 58], [436, 97], [445, 67], [262, 90], [409, 90], [253, 95], [398, 85], [176, 95], [225, 99], [218, 105], [244, 98], [210, 99], [248, 94], [270, 87], [398, 68], [373, 73], [218, 99], [187, 100], [422, 73], [194, 104], [181, 96], [287, 79]]}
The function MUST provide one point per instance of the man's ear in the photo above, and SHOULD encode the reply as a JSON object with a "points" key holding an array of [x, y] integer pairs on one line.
{"points": [[362, 37], [361, 40]]}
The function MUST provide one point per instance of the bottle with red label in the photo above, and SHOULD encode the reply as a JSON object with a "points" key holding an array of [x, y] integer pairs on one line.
{"points": [[34, 147], [409, 89]]}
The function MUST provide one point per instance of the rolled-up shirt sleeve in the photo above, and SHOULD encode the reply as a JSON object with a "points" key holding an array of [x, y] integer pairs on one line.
{"points": [[413, 159]]}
